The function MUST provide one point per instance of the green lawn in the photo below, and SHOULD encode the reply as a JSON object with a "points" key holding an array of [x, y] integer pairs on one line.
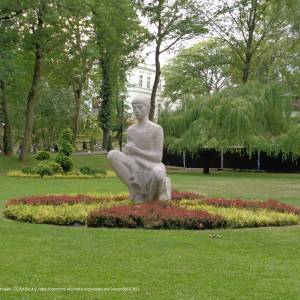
{"points": [[242, 264]]}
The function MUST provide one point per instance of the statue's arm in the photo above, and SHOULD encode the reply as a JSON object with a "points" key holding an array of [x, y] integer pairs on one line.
{"points": [[155, 154], [159, 143]]}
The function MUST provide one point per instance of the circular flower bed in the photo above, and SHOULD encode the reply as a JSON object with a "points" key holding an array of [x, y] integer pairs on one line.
{"points": [[185, 211]]}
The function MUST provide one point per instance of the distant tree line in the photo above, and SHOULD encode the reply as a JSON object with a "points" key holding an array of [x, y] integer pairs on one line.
{"points": [[236, 89], [57, 54]]}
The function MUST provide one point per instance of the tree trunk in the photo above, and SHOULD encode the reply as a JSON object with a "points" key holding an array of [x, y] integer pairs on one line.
{"points": [[155, 84], [246, 68], [77, 97], [106, 141], [206, 163], [248, 51], [120, 118], [7, 136], [31, 99], [105, 113]]}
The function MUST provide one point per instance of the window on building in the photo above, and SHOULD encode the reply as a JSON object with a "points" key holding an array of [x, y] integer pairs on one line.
{"points": [[148, 82], [141, 81]]}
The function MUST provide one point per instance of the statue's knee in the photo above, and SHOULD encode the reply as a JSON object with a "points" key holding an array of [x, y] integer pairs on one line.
{"points": [[159, 175], [112, 155]]}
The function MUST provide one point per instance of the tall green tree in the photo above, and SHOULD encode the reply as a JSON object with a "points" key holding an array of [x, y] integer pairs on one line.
{"points": [[9, 11], [75, 63], [245, 25], [39, 30], [204, 68], [119, 36], [170, 22], [53, 111], [253, 116]]}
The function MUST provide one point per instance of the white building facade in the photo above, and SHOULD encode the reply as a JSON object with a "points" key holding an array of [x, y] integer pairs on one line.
{"points": [[140, 82]]}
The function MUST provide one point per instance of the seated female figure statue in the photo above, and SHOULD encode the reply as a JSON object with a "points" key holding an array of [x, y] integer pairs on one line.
{"points": [[139, 166]]}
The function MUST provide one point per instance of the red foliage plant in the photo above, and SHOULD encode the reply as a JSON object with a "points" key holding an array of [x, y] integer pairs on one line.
{"points": [[177, 195], [61, 199], [73, 199], [269, 204], [154, 215]]}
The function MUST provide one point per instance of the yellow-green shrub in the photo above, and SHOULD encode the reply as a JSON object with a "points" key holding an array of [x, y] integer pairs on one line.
{"points": [[56, 214], [237, 218], [70, 175], [20, 174]]}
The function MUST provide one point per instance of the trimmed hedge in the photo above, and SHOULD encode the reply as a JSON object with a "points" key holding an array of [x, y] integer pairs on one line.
{"points": [[154, 215]]}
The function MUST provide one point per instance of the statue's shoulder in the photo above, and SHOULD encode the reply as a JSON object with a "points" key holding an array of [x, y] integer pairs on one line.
{"points": [[150, 126], [154, 126], [131, 128]]}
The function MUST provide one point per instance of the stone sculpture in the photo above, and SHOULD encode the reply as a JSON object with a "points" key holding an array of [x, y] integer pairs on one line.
{"points": [[139, 166]]}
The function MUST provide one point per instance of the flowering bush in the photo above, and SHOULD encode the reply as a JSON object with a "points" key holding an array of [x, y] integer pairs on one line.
{"points": [[154, 215]]}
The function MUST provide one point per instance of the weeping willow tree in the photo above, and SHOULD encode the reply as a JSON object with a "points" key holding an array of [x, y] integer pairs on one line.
{"points": [[253, 116]]}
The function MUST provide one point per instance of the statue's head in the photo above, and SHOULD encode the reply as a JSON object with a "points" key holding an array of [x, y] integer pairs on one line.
{"points": [[141, 107]]}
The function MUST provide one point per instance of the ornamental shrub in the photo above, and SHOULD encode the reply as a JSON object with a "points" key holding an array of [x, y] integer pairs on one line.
{"points": [[100, 171], [240, 217], [86, 170], [28, 170], [55, 214], [177, 195], [20, 174], [43, 155], [43, 169], [65, 148], [66, 162], [67, 199], [91, 171], [56, 168], [248, 204], [65, 142]]}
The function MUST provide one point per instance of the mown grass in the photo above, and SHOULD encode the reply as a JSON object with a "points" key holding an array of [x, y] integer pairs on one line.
{"points": [[241, 264]]}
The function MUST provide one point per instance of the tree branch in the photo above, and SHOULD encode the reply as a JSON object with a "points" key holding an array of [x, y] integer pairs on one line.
{"points": [[172, 44]]}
